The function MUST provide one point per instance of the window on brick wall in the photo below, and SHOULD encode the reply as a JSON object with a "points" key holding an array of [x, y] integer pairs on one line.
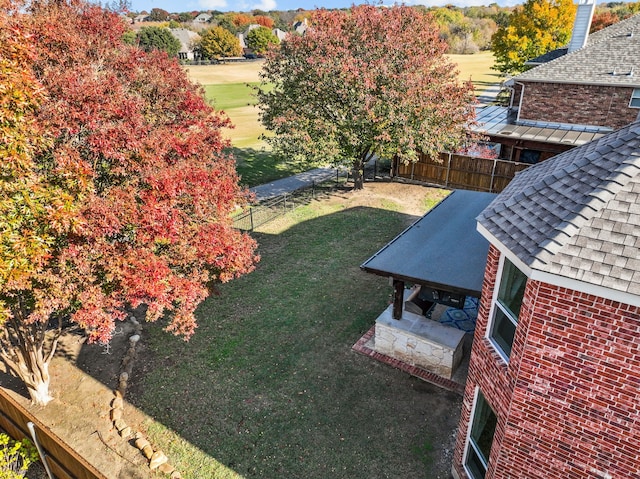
{"points": [[483, 428], [506, 308], [635, 98]]}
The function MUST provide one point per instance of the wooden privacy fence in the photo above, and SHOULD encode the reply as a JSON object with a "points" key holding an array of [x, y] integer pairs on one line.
{"points": [[464, 172], [62, 461]]}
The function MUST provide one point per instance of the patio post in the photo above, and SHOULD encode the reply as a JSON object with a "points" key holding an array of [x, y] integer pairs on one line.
{"points": [[398, 298]]}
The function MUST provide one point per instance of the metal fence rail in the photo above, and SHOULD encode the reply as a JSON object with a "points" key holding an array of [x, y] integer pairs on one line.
{"points": [[257, 215]]}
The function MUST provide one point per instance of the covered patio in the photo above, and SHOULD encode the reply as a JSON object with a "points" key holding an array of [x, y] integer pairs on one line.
{"points": [[435, 267]]}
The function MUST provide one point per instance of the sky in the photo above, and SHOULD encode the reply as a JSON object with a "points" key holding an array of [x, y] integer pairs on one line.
{"points": [[176, 6]]}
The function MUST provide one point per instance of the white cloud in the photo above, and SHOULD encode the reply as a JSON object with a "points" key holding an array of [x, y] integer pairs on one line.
{"points": [[212, 4], [264, 5]]}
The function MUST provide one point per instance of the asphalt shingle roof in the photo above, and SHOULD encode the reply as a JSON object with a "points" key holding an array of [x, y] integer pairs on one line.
{"points": [[577, 214], [611, 57]]}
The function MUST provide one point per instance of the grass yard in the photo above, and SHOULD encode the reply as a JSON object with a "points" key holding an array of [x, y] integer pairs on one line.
{"points": [[269, 386]]}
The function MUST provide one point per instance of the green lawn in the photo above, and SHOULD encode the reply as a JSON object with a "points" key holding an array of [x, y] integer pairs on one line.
{"points": [[269, 387], [227, 96]]}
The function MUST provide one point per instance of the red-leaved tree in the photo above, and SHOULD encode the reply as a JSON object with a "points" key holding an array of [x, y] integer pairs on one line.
{"points": [[136, 155], [371, 81]]}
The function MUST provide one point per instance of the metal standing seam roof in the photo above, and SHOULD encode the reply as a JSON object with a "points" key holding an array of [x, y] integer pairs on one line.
{"points": [[499, 121], [442, 250], [577, 215]]}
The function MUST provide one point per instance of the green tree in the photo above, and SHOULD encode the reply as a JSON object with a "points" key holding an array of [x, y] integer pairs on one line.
{"points": [[372, 81], [158, 15], [156, 38], [219, 42], [259, 39], [535, 28]]}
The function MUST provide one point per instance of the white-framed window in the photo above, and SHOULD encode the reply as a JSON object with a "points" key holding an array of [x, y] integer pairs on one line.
{"points": [[481, 432], [506, 307], [635, 98]]}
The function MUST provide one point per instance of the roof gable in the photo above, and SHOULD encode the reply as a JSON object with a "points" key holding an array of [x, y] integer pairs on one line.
{"points": [[577, 215]]}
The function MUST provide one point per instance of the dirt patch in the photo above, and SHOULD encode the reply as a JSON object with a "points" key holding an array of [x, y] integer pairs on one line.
{"points": [[85, 376]]}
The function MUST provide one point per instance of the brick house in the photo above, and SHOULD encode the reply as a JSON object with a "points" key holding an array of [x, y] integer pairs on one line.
{"points": [[553, 388], [586, 90]]}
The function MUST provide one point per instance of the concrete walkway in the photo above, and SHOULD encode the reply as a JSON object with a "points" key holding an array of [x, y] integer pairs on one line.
{"points": [[488, 95], [293, 183]]}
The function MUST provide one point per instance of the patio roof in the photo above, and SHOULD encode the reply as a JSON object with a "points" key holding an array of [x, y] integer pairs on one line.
{"points": [[442, 250], [498, 121]]}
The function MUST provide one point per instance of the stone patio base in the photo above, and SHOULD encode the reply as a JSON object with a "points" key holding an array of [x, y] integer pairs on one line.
{"points": [[419, 341]]}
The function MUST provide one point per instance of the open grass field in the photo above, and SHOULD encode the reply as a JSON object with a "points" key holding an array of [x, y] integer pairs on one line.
{"points": [[228, 86], [477, 68], [269, 386]]}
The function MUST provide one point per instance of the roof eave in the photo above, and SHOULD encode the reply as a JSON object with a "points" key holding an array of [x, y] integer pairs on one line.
{"points": [[537, 274]]}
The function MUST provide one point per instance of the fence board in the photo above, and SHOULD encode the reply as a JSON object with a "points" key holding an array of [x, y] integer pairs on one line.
{"points": [[464, 172], [65, 462]]}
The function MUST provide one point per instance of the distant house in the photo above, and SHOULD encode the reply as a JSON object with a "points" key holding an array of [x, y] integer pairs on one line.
{"points": [[280, 34], [573, 96], [202, 18], [554, 379], [143, 17], [241, 40], [187, 40], [301, 27]]}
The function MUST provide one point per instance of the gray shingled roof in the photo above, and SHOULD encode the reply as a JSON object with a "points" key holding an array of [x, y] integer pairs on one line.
{"points": [[611, 57], [577, 215]]}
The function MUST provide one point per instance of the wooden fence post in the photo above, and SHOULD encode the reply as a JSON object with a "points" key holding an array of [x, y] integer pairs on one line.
{"points": [[446, 181], [493, 173]]}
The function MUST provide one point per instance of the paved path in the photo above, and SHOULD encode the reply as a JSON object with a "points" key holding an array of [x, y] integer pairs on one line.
{"points": [[292, 183], [488, 95]]}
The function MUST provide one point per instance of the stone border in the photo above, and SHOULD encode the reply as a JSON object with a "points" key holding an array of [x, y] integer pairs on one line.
{"points": [[157, 459]]}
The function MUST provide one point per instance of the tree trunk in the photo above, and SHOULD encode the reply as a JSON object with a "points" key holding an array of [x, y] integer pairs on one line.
{"points": [[27, 349], [358, 174], [39, 386], [32, 367]]}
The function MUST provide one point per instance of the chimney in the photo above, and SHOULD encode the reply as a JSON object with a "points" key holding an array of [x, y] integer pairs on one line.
{"points": [[582, 24]]}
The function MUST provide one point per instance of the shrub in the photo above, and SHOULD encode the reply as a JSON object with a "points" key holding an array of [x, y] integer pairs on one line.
{"points": [[15, 457]]}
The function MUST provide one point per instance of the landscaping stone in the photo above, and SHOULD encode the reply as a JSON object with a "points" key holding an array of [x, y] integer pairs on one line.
{"points": [[147, 451], [141, 443], [157, 458], [119, 424]]}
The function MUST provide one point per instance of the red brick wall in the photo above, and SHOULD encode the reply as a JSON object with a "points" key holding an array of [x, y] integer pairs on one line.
{"points": [[581, 104], [568, 404]]}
